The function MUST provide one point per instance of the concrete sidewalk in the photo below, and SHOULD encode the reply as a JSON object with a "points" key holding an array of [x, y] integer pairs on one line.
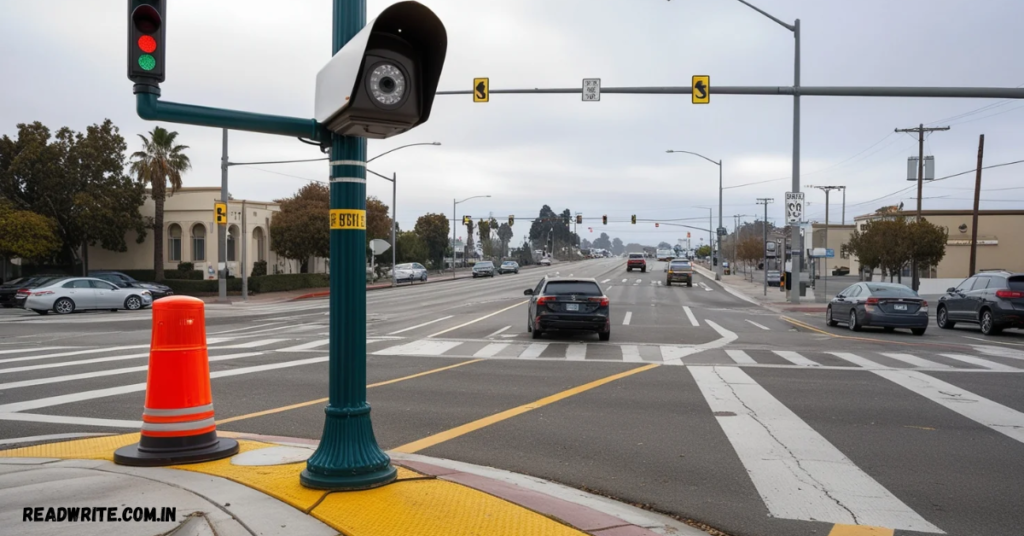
{"points": [[258, 492], [740, 286]]}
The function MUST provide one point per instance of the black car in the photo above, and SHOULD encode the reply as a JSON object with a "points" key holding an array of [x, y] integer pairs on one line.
{"points": [[126, 281], [993, 300], [887, 305], [561, 303], [9, 291]]}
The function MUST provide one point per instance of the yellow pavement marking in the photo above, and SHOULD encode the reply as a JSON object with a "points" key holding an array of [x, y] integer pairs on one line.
{"points": [[441, 437], [322, 400], [478, 319], [859, 530]]}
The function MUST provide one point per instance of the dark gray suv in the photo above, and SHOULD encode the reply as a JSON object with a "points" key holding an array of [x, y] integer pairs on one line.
{"points": [[992, 299]]}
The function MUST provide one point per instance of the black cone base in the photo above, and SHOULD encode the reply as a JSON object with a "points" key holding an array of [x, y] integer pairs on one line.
{"points": [[132, 455]]}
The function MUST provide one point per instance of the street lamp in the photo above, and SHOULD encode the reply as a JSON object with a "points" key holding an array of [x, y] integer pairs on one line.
{"points": [[394, 205], [718, 268], [455, 223]]}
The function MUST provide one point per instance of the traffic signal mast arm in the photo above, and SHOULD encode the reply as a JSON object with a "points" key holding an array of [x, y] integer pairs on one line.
{"points": [[150, 107], [804, 91]]}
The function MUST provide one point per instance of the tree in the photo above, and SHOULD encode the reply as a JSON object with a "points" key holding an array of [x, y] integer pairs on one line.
{"points": [[505, 235], [159, 163], [410, 248], [485, 237], [302, 228], [704, 251], [664, 245], [927, 243], [603, 242], [378, 219], [25, 234], [77, 181], [433, 230], [617, 247], [749, 249], [469, 238], [892, 242], [586, 244]]}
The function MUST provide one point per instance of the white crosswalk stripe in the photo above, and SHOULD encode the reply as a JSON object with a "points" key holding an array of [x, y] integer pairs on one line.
{"points": [[576, 352], [631, 353], [983, 363], [533, 351], [491, 350], [740, 357], [914, 360], [796, 358], [421, 347]]}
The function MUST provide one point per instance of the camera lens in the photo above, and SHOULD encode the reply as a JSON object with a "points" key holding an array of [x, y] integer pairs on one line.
{"points": [[387, 84]]}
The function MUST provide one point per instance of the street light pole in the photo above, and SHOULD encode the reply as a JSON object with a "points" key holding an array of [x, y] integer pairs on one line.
{"points": [[718, 267], [454, 224], [827, 190]]}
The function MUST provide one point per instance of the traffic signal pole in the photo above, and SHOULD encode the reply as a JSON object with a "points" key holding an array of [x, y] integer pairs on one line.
{"points": [[348, 456], [222, 228]]}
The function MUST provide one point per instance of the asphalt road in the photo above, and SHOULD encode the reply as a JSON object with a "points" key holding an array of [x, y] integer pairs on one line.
{"points": [[702, 405]]}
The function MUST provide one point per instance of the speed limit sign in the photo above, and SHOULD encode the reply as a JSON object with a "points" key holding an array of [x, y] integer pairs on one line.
{"points": [[794, 207]]}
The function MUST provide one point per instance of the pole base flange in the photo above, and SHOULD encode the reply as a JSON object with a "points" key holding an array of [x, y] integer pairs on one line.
{"points": [[375, 479], [131, 455]]}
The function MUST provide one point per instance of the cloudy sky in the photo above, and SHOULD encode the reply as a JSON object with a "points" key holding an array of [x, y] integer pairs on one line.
{"points": [[64, 64]]}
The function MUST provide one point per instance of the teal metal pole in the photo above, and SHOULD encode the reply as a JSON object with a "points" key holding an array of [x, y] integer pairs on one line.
{"points": [[348, 457]]}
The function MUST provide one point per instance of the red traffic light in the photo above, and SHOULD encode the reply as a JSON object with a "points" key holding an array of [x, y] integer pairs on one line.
{"points": [[147, 44]]}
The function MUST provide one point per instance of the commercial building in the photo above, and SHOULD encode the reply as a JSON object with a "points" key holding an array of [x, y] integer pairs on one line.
{"points": [[838, 235], [1000, 240]]}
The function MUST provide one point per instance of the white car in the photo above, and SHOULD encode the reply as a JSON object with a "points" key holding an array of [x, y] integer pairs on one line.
{"points": [[67, 295], [412, 271], [546, 261]]}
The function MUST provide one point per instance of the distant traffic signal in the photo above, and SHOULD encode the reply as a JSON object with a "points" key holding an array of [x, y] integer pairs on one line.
{"points": [[466, 220], [656, 224], [146, 42], [579, 218], [604, 220], [511, 221], [633, 218], [565, 219]]}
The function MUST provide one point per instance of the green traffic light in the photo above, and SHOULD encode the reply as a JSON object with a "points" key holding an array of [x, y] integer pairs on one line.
{"points": [[147, 62]]}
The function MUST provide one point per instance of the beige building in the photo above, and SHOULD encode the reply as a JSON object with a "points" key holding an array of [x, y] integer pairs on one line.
{"points": [[837, 236], [190, 235], [1000, 240]]}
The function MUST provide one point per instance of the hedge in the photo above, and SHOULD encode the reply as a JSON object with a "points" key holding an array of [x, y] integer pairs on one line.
{"points": [[263, 283]]}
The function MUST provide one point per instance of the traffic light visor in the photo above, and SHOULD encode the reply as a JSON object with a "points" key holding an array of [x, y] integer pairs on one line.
{"points": [[146, 20]]}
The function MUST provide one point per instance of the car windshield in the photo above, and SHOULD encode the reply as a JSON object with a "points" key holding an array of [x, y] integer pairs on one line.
{"points": [[508, 263], [894, 291], [484, 264], [582, 288]]}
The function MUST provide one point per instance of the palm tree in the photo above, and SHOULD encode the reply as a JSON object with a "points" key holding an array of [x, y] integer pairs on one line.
{"points": [[158, 163]]}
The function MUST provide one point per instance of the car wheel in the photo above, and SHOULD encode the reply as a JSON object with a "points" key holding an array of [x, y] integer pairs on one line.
{"points": [[942, 319], [888, 329], [629, 269], [828, 318], [8, 305], [918, 331], [689, 283], [64, 306], [605, 336], [668, 282], [537, 333], [424, 278], [42, 312], [643, 270], [132, 303], [988, 324], [854, 326]]}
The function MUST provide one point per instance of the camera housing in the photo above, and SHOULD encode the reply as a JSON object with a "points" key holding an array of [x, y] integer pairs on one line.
{"points": [[382, 82]]}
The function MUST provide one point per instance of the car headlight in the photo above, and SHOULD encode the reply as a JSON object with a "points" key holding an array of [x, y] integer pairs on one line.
{"points": [[145, 293]]}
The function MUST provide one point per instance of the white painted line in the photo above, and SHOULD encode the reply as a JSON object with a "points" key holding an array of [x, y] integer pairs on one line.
{"points": [[991, 341], [629, 316], [63, 419], [858, 360], [796, 471], [984, 363], [306, 346], [916, 361], [533, 351], [576, 352], [499, 332], [756, 324], [689, 314], [631, 353], [124, 389], [606, 280], [420, 347], [474, 321], [72, 363], [252, 344], [49, 437], [740, 357], [981, 410], [101, 373], [638, 281], [259, 326], [420, 325], [39, 349], [491, 350], [77, 352], [624, 280], [673, 355], [795, 358]]}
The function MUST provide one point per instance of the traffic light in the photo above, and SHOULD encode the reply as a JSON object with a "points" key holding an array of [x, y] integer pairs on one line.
{"points": [[604, 220], [579, 218], [565, 219], [220, 213], [466, 220], [146, 41], [656, 224], [633, 218], [511, 221]]}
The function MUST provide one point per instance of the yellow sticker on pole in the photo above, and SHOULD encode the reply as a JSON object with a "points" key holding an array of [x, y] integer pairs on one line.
{"points": [[348, 219]]}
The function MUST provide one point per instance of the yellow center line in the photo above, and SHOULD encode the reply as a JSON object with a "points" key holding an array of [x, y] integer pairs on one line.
{"points": [[441, 437], [322, 400], [859, 530], [478, 319]]}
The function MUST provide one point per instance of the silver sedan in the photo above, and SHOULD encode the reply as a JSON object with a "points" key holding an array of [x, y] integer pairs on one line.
{"points": [[67, 295], [410, 272]]}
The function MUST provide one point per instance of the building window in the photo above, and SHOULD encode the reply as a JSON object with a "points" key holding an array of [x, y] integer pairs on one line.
{"points": [[232, 241], [257, 235], [174, 243], [198, 242]]}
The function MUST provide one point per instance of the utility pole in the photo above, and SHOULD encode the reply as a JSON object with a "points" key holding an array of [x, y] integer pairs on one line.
{"points": [[222, 229], [824, 273], [920, 130], [977, 199], [844, 205], [764, 241]]}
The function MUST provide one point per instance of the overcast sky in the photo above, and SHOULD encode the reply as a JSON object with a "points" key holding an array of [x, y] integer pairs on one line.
{"points": [[63, 63]]}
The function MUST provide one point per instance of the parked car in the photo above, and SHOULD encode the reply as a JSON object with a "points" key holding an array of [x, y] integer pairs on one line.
{"points": [[679, 270], [561, 303], [67, 295], [546, 261], [412, 271], [483, 269], [14, 292], [123, 280], [887, 305], [509, 266], [993, 300], [636, 260]]}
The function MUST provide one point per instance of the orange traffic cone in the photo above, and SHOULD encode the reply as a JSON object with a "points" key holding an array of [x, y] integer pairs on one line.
{"points": [[177, 422]]}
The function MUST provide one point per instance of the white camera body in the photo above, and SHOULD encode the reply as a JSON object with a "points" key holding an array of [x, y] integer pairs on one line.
{"points": [[382, 82]]}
